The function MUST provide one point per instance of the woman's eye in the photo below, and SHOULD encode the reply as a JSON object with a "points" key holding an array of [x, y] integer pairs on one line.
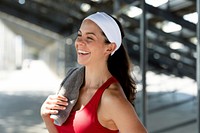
{"points": [[90, 38], [78, 36]]}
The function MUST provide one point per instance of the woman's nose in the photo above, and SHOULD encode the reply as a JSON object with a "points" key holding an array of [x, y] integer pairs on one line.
{"points": [[79, 41]]}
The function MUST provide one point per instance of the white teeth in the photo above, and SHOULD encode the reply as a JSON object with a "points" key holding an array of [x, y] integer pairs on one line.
{"points": [[82, 52]]}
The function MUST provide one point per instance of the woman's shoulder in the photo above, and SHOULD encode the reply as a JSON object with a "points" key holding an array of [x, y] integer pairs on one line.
{"points": [[115, 103], [113, 95]]}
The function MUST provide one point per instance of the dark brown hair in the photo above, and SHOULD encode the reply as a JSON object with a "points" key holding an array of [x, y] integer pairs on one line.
{"points": [[119, 66]]}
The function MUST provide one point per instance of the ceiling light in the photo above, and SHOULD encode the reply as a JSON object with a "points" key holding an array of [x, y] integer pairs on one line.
{"points": [[133, 11], [21, 1], [194, 40], [191, 17], [96, 1], [69, 41], [175, 56], [169, 27], [156, 56], [156, 3], [176, 45], [85, 7]]}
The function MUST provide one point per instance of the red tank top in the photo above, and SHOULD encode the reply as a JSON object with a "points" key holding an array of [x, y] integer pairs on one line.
{"points": [[86, 120]]}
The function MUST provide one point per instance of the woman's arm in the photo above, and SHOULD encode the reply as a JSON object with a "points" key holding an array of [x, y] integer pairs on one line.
{"points": [[50, 125], [51, 106]]}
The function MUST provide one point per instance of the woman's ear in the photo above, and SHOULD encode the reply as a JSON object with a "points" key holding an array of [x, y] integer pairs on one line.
{"points": [[110, 48]]}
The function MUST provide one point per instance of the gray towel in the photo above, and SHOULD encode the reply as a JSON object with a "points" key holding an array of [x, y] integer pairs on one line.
{"points": [[70, 89]]}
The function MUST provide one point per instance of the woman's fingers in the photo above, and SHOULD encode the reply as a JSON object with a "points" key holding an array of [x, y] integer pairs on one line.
{"points": [[58, 97], [57, 107], [57, 100], [49, 112], [52, 104]]}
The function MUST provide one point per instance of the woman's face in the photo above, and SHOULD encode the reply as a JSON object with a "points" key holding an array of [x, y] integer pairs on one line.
{"points": [[90, 44]]}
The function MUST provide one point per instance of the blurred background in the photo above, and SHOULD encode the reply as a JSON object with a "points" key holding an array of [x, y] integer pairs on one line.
{"points": [[37, 49]]}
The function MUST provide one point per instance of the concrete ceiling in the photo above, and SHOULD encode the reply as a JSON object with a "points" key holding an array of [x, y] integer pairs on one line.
{"points": [[47, 20]]}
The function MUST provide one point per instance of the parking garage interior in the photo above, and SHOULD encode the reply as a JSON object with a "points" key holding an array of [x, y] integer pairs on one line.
{"points": [[161, 37]]}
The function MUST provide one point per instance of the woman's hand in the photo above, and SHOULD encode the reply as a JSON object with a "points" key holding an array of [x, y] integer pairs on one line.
{"points": [[52, 104]]}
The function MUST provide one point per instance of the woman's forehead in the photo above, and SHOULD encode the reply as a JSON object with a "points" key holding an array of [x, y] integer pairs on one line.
{"points": [[89, 26]]}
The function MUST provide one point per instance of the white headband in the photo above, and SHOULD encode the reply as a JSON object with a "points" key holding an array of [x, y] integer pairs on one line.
{"points": [[109, 26]]}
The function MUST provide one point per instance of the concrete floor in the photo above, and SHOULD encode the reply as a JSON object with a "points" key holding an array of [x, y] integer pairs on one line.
{"points": [[22, 92]]}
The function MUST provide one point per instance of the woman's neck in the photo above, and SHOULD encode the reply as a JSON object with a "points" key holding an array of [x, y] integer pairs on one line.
{"points": [[96, 76]]}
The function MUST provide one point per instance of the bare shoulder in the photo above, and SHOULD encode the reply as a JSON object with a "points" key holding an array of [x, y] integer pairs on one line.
{"points": [[120, 110], [113, 95]]}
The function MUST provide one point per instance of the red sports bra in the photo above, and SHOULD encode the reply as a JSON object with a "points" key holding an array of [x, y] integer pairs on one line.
{"points": [[86, 120]]}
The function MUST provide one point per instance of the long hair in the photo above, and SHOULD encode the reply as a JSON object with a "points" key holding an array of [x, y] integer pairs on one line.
{"points": [[119, 65]]}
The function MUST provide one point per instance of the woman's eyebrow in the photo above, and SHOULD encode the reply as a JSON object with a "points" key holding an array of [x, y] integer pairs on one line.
{"points": [[91, 33], [88, 33]]}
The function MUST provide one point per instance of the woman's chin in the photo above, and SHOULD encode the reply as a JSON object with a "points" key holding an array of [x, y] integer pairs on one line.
{"points": [[80, 62]]}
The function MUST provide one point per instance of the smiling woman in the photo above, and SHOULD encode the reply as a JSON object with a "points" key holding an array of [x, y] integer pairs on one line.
{"points": [[104, 102], [89, 44]]}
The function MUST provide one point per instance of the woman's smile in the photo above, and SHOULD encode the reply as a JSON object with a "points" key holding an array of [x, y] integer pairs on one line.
{"points": [[81, 52]]}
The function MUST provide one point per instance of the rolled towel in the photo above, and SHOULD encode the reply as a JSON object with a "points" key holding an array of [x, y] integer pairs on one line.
{"points": [[70, 89]]}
